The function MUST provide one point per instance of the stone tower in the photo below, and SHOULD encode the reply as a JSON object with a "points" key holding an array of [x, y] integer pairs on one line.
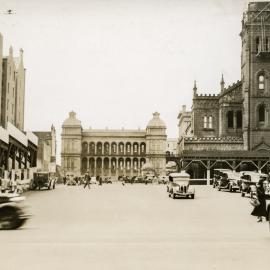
{"points": [[255, 76], [156, 143], [71, 145]]}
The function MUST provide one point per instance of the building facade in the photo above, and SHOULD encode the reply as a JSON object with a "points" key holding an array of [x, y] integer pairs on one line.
{"points": [[232, 128], [109, 152], [18, 149], [13, 89], [46, 154]]}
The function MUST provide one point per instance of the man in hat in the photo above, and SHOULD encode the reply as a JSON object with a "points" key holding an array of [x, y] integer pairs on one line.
{"points": [[87, 179]]}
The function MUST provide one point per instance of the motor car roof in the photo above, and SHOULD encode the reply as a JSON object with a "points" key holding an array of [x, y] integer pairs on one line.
{"points": [[181, 174]]}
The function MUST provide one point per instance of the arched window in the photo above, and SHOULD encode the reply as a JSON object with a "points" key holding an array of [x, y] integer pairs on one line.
{"points": [[261, 82], [258, 45], [230, 119], [210, 122], [205, 122], [267, 44], [239, 119], [261, 113]]}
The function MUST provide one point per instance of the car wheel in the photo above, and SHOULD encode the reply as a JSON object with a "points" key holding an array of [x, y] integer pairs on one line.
{"points": [[169, 194], [242, 194], [192, 196], [219, 188], [173, 196]]}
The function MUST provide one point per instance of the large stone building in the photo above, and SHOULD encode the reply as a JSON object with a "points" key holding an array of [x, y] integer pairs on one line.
{"points": [[109, 152], [232, 128], [12, 75], [18, 149]]}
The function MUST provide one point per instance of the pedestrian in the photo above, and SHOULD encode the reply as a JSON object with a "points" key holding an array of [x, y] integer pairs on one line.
{"points": [[100, 181], [87, 180], [64, 180], [260, 203]]}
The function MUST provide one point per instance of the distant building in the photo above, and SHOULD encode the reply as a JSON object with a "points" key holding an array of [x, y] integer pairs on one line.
{"points": [[171, 147], [109, 152], [232, 128], [46, 155]]}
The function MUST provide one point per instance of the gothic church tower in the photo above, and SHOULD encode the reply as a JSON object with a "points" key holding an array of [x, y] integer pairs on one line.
{"points": [[255, 76]]}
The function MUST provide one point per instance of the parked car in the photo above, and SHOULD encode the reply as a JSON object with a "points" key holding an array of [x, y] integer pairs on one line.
{"points": [[42, 180], [107, 180], [231, 181], [179, 186], [218, 173], [162, 180], [249, 181]]}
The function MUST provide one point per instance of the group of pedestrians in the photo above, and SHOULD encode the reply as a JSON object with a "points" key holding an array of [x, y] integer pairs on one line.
{"points": [[87, 180], [259, 202]]}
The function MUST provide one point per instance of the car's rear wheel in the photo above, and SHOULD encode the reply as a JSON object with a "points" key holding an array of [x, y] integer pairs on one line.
{"points": [[173, 196], [192, 196]]}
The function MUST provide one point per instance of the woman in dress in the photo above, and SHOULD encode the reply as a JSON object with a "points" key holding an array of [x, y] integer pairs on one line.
{"points": [[260, 209]]}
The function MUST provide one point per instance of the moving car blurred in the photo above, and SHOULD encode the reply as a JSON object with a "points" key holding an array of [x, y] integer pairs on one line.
{"points": [[12, 212], [179, 186]]}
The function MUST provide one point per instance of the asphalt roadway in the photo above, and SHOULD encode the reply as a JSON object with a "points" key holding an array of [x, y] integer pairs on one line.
{"points": [[136, 227]]}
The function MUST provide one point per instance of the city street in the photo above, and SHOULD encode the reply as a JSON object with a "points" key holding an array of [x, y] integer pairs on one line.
{"points": [[136, 227]]}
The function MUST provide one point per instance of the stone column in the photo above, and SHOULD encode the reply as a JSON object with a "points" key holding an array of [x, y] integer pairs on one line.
{"points": [[208, 173]]}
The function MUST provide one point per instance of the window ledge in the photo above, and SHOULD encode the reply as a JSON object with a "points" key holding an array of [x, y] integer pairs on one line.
{"points": [[208, 129]]}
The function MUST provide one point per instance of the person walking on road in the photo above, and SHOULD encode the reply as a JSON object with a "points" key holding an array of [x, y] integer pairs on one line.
{"points": [[87, 180], [260, 207]]}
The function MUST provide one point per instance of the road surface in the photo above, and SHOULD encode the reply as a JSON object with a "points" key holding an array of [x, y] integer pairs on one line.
{"points": [[136, 227]]}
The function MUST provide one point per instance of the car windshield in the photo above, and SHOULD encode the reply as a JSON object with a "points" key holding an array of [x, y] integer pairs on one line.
{"points": [[180, 181]]}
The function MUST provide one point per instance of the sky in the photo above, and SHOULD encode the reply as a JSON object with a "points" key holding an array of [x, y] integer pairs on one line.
{"points": [[115, 62]]}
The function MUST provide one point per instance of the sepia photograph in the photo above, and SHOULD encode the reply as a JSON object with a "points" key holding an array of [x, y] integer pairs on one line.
{"points": [[134, 134]]}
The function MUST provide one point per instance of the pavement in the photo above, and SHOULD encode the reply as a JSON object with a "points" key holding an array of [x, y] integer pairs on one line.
{"points": [[136, 227]]}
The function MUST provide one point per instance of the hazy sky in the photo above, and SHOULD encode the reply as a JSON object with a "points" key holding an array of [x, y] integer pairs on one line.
{"points": [[115, 62]]}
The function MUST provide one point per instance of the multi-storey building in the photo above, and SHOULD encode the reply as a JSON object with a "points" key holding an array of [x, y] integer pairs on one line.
{"points": [[13, 90], [232, 129], [109, 152], [18, 149], [46, 155]]}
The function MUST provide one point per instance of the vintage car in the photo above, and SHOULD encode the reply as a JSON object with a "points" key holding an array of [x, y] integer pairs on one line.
{"points": [[107, 180], [218, 173], [179, 186], [162, 180], [249, 181], [42, 180], [231, 181]]}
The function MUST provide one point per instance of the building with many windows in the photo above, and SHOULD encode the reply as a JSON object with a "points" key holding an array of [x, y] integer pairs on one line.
{"points": [[108, 152], [18, 149], [232, 128], [12, 75]]}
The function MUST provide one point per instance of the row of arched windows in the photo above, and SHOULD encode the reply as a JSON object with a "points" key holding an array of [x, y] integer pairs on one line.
{"points": [[106, 165], [113, 148]]}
